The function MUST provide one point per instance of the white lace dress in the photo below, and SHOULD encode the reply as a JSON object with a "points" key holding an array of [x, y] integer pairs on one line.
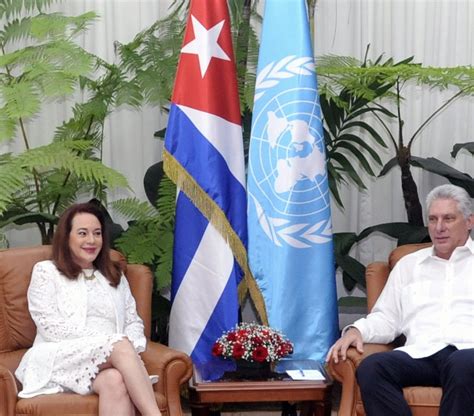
{"points": [[78, 322]]}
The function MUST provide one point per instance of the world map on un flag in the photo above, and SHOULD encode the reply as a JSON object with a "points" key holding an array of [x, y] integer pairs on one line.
{"points": [[287, 165]]}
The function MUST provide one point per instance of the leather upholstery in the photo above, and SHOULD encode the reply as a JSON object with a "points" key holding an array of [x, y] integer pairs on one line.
{"points": [[17, 332], [423, 401]]}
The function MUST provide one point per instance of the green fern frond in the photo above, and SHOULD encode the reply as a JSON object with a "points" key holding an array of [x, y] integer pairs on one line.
{"points": [[8, 59], [7, 126], [57, 155], [335, 61], [25, 56], [136, 210], [61, 55], [164, 262], [76, 128], [58, 187], [139, 243], [21, 99], [79, 145], [155, 86], [93, 109], [70, 57], [95, 171], [35, 71], [129, 92], [11, 181], [149, 238], [151, 58], [58, 26], [357, 79], [51, 25], [248, 93], [45, 157], [129, 56], [149, 243], [15, 30], [166, 203], [57, 84], [15, 7], [82, 22]]}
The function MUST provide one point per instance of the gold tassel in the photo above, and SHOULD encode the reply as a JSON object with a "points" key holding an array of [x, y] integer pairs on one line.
{"points": [[186, 183]]}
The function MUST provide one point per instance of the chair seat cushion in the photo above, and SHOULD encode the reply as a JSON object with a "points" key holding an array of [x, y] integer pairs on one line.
{"points": [[423, 401], [58, 404], [423, 397], [67, 404]]}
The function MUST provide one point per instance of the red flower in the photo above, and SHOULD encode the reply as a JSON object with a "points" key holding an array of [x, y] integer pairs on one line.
{"points": [[257, 341], [259, 354], [231, 336], [217, 349], [238, 351], [253, 342]]}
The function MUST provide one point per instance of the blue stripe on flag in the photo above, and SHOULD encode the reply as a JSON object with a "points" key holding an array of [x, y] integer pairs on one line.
{"points": [[208, 168], [188, 233]]}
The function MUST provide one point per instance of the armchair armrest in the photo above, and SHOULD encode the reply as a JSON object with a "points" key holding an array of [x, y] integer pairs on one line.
{"points": [[8, 392], [344, 372], [174, 369]]}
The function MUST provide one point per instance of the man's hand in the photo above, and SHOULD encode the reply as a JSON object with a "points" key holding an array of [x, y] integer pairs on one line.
{"points": [[352, 337]]}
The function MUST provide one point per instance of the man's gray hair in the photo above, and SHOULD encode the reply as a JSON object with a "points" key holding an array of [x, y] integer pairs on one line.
{"points": [[454, 192]]}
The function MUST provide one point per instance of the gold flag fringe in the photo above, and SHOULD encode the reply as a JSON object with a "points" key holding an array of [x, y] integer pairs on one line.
{"points": [[214, 214]]}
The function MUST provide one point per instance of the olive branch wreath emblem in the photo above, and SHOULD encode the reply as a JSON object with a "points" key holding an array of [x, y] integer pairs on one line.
{"points": [[302, 235], [287, 67], [281, 230]]}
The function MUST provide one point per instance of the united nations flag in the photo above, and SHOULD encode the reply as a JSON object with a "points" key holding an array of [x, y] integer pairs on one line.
{"points": [[289, 216]]}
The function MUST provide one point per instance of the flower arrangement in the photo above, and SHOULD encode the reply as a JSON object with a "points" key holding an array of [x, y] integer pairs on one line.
{"points": [[252, 342]]}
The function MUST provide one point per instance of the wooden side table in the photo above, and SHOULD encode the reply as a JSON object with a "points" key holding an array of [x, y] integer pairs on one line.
{"points": [[315, 395]]}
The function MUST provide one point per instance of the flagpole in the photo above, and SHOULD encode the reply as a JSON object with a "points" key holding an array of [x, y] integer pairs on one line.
{"points": [[311, 9]]}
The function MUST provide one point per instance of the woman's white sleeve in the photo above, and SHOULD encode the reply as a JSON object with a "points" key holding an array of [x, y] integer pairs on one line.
{"points": [[43, 307], [133, 325]]}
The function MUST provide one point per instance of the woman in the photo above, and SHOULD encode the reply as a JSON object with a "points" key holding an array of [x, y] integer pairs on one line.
{"points": [[88, 331]]}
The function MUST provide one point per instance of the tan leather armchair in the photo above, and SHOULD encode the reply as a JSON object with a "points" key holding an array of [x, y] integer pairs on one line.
{"points": [[423, 401], [17, 332]]}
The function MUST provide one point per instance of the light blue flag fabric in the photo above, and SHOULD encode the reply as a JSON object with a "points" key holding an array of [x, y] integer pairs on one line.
{"points": [[289, 217]]}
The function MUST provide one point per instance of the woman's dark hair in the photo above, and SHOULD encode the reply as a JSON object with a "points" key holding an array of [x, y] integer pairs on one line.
{"points": [[62, 255]]}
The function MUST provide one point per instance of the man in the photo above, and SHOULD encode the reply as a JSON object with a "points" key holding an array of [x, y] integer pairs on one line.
{"points": [[429, 297]]}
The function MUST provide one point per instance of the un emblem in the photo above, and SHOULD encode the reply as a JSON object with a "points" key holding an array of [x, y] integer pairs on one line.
{"points": [[287, 161]]}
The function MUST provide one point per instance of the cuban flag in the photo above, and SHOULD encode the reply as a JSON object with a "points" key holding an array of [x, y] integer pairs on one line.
{"points": [[289, 216], [204, 157]]}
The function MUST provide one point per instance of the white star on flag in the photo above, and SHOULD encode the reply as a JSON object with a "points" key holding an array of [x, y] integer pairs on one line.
{"points": [[205, 45]]}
